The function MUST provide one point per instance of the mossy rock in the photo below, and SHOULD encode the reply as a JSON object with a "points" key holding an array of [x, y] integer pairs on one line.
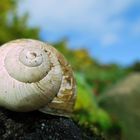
{"points": [[123, 103]]}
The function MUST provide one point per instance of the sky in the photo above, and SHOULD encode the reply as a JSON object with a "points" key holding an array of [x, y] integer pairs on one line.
{"points": [[108, 29]]}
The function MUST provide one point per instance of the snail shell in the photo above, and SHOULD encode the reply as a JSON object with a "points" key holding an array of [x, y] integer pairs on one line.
{"points": [[35, 76]]}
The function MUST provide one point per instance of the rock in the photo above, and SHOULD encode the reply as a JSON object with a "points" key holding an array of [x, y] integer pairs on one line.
{"points": [[123, 103], [39, 126]]}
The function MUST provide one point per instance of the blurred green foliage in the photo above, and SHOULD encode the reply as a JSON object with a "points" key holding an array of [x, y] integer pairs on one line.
{"points": [[98, 76], [92, 78], [12, 25], [135, 67], [86, 108]]}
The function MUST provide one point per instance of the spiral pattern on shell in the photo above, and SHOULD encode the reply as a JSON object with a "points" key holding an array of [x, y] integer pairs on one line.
{"points": [[34, 75]]}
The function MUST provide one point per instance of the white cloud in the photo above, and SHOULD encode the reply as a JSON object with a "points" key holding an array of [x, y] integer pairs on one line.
{"points": [[135, 30], [88, 17], [109, 40]]}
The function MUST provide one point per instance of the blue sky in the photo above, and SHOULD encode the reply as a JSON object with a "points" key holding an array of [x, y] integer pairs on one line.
{"points": [[108, 29]]}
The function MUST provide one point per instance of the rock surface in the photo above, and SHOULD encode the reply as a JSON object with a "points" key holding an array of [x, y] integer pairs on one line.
{"points": [[38, 126], [123, 102]]}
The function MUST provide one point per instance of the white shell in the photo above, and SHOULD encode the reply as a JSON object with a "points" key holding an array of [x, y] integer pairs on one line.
{"points": [[34, 75]]}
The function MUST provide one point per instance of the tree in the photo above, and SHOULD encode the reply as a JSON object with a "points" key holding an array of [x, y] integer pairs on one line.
{"points": [[135, 67], [13, 26]]}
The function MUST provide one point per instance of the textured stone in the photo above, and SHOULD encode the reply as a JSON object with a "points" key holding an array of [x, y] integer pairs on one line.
{"points": [[123, 103], [39, 126]]}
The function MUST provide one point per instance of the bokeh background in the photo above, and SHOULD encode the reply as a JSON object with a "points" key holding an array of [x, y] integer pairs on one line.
{"points": [[101, 40]]}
